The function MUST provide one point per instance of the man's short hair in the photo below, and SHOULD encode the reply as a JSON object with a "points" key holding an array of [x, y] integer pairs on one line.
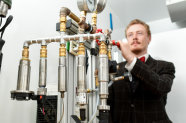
{"points": [[137, 21]]}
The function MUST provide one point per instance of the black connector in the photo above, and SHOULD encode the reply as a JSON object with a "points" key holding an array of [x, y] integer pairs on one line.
{"points": [[82, 114], [112, 66], [94, 51], [103, 116]]}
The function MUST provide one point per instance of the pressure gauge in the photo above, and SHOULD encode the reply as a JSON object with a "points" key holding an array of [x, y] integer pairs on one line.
{"points": [[100, 5], [87, 5]]}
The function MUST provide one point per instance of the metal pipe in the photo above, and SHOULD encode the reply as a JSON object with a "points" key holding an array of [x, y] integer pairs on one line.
{"points": [[81, 85], [42, 70], [94, 22], [23, 80], [81, 69], [82, 24], [85, 37], [93, 75], [67, 12], [62, 70], [103, 76], [62, 76], [3, 9], [24, 71]]}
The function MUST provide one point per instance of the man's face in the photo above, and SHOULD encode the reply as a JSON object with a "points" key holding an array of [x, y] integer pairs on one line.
{"points": [[138, 38]]}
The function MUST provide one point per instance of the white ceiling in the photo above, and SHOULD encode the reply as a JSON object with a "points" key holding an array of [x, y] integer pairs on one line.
{"points": [[146, 10]]}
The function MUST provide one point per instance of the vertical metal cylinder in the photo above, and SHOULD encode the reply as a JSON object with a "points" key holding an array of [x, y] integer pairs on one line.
{"points": [[81, 73], [81, 69], [42, 72], [62, 74], [103, 75], [43, 66], [23, 75], [3, 9]]}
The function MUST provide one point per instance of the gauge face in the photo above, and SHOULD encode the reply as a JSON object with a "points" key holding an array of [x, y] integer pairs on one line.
{"points": [[100, 5], [87, 5], [91, 5]]}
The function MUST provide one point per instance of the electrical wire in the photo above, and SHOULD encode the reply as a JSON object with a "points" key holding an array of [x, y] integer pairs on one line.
{"points": [[62, 111], [1, 21]]}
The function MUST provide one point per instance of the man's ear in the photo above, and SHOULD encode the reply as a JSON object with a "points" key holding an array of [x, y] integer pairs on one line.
{"points": [[149, 38]]}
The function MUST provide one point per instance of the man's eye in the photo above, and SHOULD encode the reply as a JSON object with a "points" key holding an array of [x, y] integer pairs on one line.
{"points": [[129, 35], [140, 33]]}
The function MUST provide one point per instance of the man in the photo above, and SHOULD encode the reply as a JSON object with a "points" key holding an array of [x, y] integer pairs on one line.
{"points": [[141, 97]]}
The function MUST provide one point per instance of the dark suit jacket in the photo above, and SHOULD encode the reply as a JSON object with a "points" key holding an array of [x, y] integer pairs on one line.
{"points": [[143, 100]]}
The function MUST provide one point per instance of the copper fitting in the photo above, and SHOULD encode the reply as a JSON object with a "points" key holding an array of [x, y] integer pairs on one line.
{"points": [[67, 12], [25, 53], [43, 52], [96, 77], [81, 49], [63, 23], [62, 50], [74, 17], [103, 48], [94, 19], [118, 78], [109, 55], [83, 15]]}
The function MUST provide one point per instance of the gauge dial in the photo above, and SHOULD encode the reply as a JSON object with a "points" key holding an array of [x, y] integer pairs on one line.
{"points": [[87, 5]]}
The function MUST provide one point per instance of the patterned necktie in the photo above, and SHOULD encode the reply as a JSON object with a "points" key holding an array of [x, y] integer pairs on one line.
{"points": [[142, 59]]}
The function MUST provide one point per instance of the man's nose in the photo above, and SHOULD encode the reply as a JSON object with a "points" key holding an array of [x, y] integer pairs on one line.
{"points": [[135, 36]]}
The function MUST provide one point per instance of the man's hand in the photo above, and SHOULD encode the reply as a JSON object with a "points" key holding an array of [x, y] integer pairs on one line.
{"points": [[126, 53]]}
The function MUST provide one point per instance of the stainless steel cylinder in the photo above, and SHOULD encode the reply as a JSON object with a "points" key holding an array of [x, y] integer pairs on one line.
{"points": [[103, 68], [103, 90], [3, 9], [62, 74], [81, 86], [42, 72], [103, 81], [23, 75], [103, 105]]}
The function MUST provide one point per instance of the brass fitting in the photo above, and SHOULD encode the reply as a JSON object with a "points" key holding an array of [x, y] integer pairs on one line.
{"points": [[81, 49], [62, 50], [109, 52], [74, 17], [103, 48], [25, 53], [83, 15], [89, 91], [94, 18], [96, 77], [63, 23], [43, 52], [109, 55]]}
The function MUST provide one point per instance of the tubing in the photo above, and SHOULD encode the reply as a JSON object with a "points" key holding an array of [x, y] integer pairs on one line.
{"points": [[94, 114]]}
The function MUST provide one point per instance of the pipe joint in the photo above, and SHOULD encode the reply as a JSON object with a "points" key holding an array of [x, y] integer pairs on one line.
{"points": [[25, 53], [43, 51], [62, 50]]}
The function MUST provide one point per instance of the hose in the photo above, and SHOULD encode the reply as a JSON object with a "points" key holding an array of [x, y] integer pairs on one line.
{"points": [[62, 112], [94, 114]]}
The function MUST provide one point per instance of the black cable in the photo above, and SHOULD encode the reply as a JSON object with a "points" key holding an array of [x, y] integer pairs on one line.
{"points": [[1, 22], [8, 21]]}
